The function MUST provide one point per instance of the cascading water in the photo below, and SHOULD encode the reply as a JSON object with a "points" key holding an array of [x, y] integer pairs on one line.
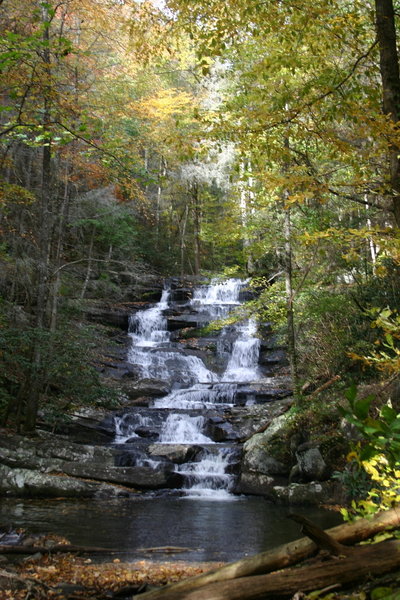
{"points": [[195, 387]]}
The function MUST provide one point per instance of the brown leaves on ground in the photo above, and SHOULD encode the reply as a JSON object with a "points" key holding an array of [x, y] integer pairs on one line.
{"points": [[97, 579]]}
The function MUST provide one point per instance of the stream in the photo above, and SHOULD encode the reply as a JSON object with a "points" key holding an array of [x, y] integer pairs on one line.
{"points": [[187, 432], [213, 531]]}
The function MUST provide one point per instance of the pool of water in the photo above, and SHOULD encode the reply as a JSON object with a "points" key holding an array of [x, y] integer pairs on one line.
{"points": [[211, 531]]}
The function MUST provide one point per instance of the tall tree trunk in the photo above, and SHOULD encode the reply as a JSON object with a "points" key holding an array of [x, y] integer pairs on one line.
{"points": [[197, 226], [36, 375], [291, 331], [89, 265], [246, 196], [59, 250], [389, 67], [182, 232], [288, 269]]}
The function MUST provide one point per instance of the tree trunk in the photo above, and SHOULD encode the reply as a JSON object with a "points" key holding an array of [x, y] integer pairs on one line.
{"points": [[182, 231], [42, 290], [361, 563], [291, 332], [246, 195], [89, 265], [63, 209], [197, 226], [389, 68]]}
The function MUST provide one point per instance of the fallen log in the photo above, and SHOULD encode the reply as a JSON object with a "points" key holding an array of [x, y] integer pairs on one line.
{"points": [[323, 387], [58, 548], [280, 557], [364, 562], [164, 549], [321, 538]]}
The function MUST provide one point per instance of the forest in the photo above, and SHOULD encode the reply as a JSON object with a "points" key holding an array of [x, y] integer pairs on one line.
{"points": [[144, 140]]}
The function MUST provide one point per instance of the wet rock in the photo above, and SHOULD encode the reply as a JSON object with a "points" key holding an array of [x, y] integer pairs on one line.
{"points": [[181, 295], [111, 315], [176, 453], [220, 430], [146, 432], [145, 387], [34, 484], [272, 357], [136, 477]]}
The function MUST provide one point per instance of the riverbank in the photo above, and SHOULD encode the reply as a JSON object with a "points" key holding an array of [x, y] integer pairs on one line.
{"points": [[294, 568]]}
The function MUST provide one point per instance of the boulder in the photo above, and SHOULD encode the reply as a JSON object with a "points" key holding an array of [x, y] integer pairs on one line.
{"points": [[142, 477], [312, 466], [176, 453], [145, 387], [277, 429], [34, 484], [257, 484], [312, 493], [220, 430], [262, 462]]}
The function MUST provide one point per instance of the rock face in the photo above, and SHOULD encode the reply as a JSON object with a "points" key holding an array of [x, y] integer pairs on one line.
{"points": [[278, 464], [52, 466]]}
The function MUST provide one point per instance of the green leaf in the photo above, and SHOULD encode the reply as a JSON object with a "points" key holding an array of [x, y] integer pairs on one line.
{"points": [[368, 452], [389, 414], [351, 393], [361, 407]]}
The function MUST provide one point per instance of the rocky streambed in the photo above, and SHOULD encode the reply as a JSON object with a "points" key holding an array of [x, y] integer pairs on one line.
{"points": [[204, 413]]}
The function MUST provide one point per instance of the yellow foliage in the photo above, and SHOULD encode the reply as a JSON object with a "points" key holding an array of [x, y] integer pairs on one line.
{"points": [[164, 104]]}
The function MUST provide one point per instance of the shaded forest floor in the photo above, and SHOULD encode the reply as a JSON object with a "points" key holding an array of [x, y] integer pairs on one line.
{"points": [[70, 577]]}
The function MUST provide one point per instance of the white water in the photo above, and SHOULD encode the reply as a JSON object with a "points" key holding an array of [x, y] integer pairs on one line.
{"points": [[197, 387], [243, 363], [149, 327], [207, 478], [125, 426], [183, 429], [218, 298]]}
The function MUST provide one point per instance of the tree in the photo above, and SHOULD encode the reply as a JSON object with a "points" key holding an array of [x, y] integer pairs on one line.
{"points": [[389, 68]]}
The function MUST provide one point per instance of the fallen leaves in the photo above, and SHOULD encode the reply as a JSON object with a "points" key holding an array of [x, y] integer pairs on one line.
{"points": [[97, 578]]}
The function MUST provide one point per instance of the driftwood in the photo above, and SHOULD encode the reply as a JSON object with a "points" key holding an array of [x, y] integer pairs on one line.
{"points": [[323, 387], [323, 540], [164, 549], [278, 558], [58, 548], [364, 562]]}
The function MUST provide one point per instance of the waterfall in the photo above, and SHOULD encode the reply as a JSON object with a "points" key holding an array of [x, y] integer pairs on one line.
{"points": [[183, 429], [149, 327], [243, 363], [195, 387]]}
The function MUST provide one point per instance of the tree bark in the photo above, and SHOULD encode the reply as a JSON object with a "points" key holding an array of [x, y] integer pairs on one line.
{"points": [[363, 562], [197, 226], [42, 289], [291, 331], [389, 68]]}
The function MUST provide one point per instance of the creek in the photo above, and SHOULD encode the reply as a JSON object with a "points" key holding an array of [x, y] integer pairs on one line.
{"points": [[188, 435], [213, 531]]}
